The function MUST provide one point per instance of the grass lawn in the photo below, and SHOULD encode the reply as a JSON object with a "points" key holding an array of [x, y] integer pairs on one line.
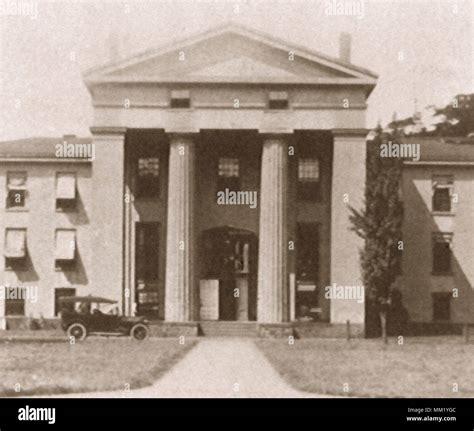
{"points": [[421, 367], [96, 364]]}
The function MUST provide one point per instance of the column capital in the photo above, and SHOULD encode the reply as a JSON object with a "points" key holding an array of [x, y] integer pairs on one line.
{"points": [[188, 134], [108, 131], [354, 133], [182, 130], [275, 131]]}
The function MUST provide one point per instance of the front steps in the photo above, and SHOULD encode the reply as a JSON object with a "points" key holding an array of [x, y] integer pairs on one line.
{"points": [[233, 328]]}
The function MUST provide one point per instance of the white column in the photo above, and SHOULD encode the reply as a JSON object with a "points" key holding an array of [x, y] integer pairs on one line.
{"points": [[348, 185], [179, 290], [272, 262]]}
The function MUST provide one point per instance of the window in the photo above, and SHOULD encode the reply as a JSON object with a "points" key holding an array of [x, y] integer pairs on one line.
{"points": [[16, 189], [65, 253], [307, 270], [147, 268], [148, 184], [441, 306], [278, 100], [442, 192], [15, 301], [228, 174], [308, 180], [147, 251], [442, 253], [63, 292], [15, 248], [180, 99], [66, 191]]}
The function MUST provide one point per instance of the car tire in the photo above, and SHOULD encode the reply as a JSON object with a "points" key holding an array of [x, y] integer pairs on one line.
{"points": [[139, 332], [78, 331]]}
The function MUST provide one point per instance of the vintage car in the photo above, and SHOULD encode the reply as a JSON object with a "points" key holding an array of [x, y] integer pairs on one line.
{"points": [[88, 315]]}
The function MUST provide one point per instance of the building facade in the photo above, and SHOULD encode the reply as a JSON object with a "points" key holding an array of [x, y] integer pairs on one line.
{"points": [[437, 276], [216, 186]]}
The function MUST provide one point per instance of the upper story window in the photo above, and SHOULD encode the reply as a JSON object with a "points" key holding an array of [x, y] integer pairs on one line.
{"points": [[66, 195], [443, 186], [278, 100], [180, 99], [148, 172], [308, 179], [442, 244], [15, 248], [228, 174], [16, 189], [65, 253]]}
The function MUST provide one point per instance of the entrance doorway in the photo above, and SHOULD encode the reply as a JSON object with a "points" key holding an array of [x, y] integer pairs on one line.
{"points": [[228, 285]]}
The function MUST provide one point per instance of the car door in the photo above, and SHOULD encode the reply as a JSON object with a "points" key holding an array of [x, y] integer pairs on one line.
{"points": [[101, 322]]}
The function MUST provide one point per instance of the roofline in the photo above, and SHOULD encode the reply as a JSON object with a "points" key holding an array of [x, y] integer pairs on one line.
{"points": [[90, 75], [438, 163], [232, 80], [36, 159]]}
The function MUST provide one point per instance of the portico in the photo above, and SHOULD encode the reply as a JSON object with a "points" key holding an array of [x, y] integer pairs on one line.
{"points": [[230, 109]]}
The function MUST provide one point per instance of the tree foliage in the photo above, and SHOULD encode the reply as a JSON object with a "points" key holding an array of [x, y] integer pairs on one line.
{"points": [[380, 222], [455, 119]]}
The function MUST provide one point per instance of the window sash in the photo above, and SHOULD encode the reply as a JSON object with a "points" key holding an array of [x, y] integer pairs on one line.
{"points": [[441, 250], [62, 292], [229, 167], [441, 199], [308, 170], [149, 167]]}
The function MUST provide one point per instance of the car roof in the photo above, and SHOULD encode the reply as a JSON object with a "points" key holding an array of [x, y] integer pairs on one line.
{"points": [[86, 299]]}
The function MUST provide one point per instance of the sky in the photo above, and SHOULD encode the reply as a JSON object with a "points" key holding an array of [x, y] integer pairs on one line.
{"points": [[422, 50]]}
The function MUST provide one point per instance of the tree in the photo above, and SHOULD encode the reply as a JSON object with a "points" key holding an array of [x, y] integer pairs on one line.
{"points": [[379, 224], [455, 119]]}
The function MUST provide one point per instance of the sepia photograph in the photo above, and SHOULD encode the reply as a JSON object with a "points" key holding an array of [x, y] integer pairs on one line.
{"points": [[237, 199]]}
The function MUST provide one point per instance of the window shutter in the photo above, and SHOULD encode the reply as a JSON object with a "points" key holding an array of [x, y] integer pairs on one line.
{"points": [[15, 243], [65, 244]]}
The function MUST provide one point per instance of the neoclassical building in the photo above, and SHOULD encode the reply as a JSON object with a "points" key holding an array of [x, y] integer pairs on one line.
{"points": [[222, 173]]}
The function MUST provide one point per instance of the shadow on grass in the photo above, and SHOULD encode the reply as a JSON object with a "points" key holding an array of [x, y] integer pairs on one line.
{"points": [[418, 368], [95, 366]]}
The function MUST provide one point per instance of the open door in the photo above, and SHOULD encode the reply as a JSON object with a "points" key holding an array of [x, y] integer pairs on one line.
{"points": [[231, 264]]}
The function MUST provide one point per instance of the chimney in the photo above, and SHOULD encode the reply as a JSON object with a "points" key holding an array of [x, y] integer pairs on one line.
{"points": [[345, 41]]}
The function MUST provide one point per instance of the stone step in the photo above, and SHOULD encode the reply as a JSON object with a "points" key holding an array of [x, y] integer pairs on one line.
{"points": [[229, 329]]}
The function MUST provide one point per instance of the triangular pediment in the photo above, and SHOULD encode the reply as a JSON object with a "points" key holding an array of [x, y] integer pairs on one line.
{"points": [[245, 67], [230, 54]]}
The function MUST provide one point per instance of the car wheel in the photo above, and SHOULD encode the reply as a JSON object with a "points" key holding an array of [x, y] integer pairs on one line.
{"points": [[139, 331], [78, 331]]}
